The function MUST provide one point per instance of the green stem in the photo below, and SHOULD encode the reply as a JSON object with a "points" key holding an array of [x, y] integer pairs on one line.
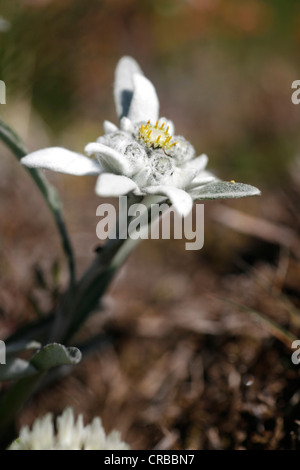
{"points": [[49, 193], [11, 405], [97, 278]]}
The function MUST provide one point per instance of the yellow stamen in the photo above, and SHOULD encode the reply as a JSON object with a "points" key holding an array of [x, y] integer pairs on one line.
{"points": [[232, 181], [156, 136]]}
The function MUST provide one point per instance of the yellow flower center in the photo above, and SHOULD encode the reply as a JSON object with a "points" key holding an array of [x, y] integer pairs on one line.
{"points": [[156, 137]]}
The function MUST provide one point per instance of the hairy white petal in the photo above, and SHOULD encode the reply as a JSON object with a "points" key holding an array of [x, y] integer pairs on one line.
{"points": [[126, 125], [113, 442], [95, 436], [182, 178], [113, 160], [109, 127], [179, 198], [204, 177], [144, 104], [62, 160], [142, 177], [123, 86], [132, 151], [199, 163], [110, 185], [183, 151]]}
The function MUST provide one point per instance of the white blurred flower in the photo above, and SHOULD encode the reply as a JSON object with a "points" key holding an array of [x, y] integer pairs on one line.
{"points": [[142, 156], [67, 434]]}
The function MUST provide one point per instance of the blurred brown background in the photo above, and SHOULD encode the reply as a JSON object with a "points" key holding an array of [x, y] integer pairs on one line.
{"points": [[188, 370]]}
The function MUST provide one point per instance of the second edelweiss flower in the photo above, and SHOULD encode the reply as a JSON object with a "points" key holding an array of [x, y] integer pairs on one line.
{"points": [[67, 433], [143, 156]]}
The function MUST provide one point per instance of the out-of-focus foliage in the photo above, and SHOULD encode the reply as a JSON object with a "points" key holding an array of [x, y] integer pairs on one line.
{"points": [[223, 68]]}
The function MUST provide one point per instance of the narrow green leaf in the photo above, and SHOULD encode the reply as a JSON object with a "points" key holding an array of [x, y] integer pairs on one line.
{"points": [[19, 346], [10, 138], [38, 329]]}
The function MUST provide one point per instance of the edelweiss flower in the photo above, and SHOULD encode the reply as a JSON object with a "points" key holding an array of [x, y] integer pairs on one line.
{"points": [[70, 435], [142, 156]]}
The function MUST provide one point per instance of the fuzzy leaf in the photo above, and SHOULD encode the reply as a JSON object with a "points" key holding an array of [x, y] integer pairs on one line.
{"points": [[55, 354], [224, 190]]}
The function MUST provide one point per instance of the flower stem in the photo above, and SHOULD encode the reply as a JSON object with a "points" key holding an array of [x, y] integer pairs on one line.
{"points": [[97, 278]]}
